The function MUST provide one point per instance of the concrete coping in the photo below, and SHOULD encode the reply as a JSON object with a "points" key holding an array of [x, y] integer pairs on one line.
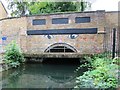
{"points": [[61, 13], [58, 13]]}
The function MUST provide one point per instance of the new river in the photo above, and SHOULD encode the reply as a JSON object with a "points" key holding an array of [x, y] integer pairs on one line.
{"points": [[50, 74]]}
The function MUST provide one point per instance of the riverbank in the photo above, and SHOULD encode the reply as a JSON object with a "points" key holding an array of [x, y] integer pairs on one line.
{"points": [[3, 66], [1, 63], [59, 75], [103, 73]]}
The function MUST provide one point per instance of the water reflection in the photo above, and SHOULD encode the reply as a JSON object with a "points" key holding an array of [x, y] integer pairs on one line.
{"points": [[40, 76]]}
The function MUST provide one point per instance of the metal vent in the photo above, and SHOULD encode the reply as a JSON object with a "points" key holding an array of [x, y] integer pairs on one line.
{"points": [[60, 48], [60, 21], [39, 22], [82, 19]]}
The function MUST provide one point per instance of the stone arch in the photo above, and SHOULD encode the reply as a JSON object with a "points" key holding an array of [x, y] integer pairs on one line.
{"points": [[60, 47]]}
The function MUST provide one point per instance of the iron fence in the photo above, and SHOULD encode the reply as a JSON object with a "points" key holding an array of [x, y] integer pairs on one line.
{"points": [[112, 42]]}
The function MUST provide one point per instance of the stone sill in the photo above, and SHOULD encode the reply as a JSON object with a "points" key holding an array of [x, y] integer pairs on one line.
{"points": [[101, 32]]}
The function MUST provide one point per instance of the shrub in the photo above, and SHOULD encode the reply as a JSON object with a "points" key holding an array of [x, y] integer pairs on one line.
{"points": [[13, 55], [103, 74]]}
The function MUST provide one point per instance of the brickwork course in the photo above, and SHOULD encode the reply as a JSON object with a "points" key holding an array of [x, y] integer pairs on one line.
{"points": [[16, 29]]}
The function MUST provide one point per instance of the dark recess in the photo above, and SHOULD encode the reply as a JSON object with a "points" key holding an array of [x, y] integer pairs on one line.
{"points": [[39, 22], [73, 61], [60, 21], [82, 19], [63, 31]]}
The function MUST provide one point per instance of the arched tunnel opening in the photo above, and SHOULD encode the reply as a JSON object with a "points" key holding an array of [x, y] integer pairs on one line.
{"points": [[56, 61], [59, 63], [72, 61], [60, 48]]}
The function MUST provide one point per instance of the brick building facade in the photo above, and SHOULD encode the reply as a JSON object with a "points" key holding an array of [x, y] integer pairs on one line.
{"points": [[78, 32]]}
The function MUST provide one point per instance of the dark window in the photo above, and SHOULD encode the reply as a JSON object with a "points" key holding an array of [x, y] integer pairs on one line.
{"points": [[82, 19], [39, 22], [60, 21]]}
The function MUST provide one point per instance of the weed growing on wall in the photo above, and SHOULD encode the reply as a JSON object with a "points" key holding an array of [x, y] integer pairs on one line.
{"points": [[103, 73], [13, 55]]}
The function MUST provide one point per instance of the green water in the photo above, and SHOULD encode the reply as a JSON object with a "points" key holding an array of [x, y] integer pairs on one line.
{"points": [[40, 76]]}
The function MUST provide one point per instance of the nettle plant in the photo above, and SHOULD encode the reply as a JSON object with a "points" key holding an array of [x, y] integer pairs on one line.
{"points": [[13, 55]]}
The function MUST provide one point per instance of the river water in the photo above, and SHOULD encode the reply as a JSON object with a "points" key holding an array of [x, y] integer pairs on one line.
{"points": [[46, 75]]}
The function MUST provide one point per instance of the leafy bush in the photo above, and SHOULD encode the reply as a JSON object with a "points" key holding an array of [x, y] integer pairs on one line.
{"points": [[103, 74], [13, 55]]}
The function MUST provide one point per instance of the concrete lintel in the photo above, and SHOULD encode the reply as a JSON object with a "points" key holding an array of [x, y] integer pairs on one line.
{"points": [[56, 55]]}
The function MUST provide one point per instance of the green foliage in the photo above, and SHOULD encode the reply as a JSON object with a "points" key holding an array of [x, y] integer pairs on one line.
{"points": [[35, 7], [89, 61], [53, 7], [13, 55], [103, 74], [18, 7]]}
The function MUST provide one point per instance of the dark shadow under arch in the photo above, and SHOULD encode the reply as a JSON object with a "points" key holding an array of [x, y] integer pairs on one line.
{"points": [[60, 47]]}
